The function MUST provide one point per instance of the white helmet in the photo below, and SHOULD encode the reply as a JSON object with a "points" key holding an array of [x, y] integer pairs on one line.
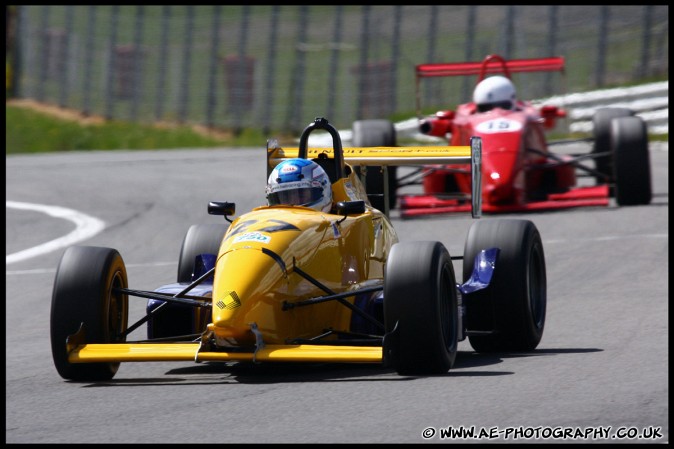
{"points": [[495, 91], [299, 182]]}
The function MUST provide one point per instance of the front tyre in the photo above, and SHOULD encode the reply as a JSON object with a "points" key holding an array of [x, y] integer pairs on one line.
{"points": [[511, 310], [420, 297], [84, 294], [601, 129], [176, 319], [199, 239]]}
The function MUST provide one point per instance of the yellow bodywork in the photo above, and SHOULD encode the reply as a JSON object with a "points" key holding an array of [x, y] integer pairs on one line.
{"points": [[257, 273]]}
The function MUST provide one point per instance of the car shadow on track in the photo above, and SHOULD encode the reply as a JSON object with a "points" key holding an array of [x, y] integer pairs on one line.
{"points": [[467, 364], [467, 361]]}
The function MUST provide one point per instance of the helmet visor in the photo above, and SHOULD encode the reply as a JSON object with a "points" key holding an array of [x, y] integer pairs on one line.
{"points": [[295, 197], [499, 104]]}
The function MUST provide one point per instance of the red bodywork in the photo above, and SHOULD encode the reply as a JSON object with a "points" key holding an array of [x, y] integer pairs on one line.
{"points": [[518, 172]]}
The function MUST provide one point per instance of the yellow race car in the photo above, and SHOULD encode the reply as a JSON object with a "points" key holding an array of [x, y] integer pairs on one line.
{"points": [[289, 283]]}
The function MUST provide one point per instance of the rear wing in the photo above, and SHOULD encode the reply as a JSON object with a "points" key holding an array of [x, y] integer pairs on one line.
{"points": [[378, 156], [383, 157], [491, 64]]}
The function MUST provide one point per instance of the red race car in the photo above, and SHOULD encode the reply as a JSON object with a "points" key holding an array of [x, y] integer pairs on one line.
{"points": [[519, 171]]}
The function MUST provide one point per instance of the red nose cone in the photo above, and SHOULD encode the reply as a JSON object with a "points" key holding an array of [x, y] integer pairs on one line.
{"points": [[501, 177], [497, 190]]}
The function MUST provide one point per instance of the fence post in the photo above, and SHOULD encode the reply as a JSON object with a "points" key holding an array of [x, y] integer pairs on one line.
{"points": [[109, 92], [510, 32], [270, 72], [334, 63], [64, 58], [296, 99], [430, 88], [187, 66], [12, 67], [128, 59], [244, 74], [163, 63], [42, 80], [88, 60], [213, 68], [646, 42], [395, 55], [375, 84], [364, 47], [552, 44], [138, 59], [601, 48], [239, 71]]}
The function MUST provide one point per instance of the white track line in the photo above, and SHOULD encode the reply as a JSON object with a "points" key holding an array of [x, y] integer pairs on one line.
{"points": [[86, 227]]}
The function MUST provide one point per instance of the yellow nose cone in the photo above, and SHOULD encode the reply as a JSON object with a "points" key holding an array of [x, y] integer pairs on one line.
{"points": [[241, 295]]}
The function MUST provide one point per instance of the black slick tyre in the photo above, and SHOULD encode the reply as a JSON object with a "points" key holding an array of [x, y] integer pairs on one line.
{"points": [[376, 133], [601, 129], [420, 298], [199, 239], [510, 312], [631, 161], [176, 319], [83, 295]]}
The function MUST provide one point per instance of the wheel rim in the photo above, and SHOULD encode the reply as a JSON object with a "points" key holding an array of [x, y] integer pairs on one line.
{"points": [[117, 313]]}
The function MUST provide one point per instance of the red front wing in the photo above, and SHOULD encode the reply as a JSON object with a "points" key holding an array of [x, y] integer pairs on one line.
{"points": [[413, 205]]}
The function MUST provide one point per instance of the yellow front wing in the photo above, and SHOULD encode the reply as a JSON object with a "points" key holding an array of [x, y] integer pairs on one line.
{"points": [[171, 352]]}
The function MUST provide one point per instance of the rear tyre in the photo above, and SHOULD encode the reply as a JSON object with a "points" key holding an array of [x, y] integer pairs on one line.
{"points": [[377, 133], [513, 306], [631, 161], [83, 294], [601, 128], [420, 296], [200, 239]]}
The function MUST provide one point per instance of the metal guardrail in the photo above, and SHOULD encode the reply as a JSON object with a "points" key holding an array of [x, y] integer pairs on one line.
{"points": [[648, 101]]}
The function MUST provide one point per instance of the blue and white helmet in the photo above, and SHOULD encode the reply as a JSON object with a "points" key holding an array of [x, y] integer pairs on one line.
{"points": [[299, 182]]}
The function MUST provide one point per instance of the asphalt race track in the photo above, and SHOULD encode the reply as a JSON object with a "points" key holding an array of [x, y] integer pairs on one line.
{"points": [[600, 372]]}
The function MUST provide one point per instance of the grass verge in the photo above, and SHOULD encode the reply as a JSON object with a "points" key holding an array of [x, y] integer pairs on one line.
{"points": [[31, 128]]}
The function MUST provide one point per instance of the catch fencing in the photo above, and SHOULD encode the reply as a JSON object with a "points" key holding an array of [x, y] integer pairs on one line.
{"points": [[276, 68]]}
